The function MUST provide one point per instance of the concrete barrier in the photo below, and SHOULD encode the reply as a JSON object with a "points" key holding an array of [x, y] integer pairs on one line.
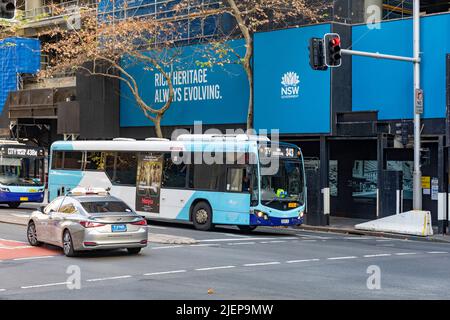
{"points": [[415, 222]]}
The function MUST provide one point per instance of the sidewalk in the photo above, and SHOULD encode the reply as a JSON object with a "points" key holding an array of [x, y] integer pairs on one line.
{"points": [[21, 217], [347, 226]]}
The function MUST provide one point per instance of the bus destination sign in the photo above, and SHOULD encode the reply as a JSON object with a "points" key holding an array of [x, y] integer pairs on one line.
{"points": [[21, 152], [278, 151]]}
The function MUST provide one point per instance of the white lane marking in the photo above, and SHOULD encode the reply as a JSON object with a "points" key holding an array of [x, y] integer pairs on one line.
{"points": [[167, 247], [309, 240], [204, 245], [163, 272], [377, 255], [235, 235], [241, 243], [215, 268], [33, 258], [244, 239], [261, 264], [109, 278], [404, 253], [384, 240], [342, 258], [2, 290], [46, 285], [437, 252], [358, 238], [304, 260], [314, 237], [277, 241]]}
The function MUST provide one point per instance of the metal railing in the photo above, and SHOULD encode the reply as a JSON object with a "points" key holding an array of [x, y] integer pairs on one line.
{"points": [[57, 10]]}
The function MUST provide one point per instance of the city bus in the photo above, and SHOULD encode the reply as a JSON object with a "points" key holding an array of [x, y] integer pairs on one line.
{"points": [[21, 173], [241, 180]]}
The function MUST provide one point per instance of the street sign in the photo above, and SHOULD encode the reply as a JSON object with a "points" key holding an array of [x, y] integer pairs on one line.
{"points": [[418, 101]]}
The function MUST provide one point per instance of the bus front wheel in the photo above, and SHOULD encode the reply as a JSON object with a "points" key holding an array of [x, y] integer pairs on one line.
{"points": [[202, 216], [14, 205]]}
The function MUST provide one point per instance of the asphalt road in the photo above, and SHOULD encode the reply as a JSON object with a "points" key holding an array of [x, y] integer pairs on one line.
{"points": [[228, 264]]}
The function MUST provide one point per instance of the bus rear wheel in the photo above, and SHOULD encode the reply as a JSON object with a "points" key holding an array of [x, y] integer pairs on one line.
{"points": [[246, 228], [14, 205], [202, 216]]}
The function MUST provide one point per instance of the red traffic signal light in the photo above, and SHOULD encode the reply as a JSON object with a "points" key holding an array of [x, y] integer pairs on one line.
{"points": [[332, 44]]}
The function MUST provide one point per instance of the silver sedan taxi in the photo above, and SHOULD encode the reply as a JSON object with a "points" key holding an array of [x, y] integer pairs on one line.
{"points": [[88, 219]]}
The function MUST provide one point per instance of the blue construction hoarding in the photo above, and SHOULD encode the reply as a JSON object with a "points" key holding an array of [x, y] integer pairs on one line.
{"points": [[295, 99], [289, 95], [387, 86], [213, 95], [17, 55]]}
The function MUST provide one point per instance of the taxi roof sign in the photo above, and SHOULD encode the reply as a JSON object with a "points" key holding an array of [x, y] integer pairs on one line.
{"points": [[83, 191]]}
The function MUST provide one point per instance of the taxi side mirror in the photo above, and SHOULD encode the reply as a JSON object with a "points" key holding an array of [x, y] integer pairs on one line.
{"points": [[41, 208]]}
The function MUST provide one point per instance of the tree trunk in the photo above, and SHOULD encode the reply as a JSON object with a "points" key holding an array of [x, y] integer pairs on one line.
{"points": [[157, 123], [249, 73]]}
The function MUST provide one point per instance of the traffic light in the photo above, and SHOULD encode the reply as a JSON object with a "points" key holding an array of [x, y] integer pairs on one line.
{"points": [[425, 156], [332, 44], [7, 9], [316, 56]]}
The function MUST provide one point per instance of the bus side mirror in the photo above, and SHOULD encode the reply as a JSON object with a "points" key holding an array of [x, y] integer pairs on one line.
{"points": [[41, 208]]}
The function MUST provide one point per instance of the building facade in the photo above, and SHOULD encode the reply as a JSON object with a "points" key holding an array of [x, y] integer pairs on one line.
{"points": [[353, 123]]}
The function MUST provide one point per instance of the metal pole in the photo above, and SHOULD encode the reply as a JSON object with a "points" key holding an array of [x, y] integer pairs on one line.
{"points": [[417, 174], [377, 55]]}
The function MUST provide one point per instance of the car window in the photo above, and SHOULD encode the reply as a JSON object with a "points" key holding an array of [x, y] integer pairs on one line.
{"points": [[105, 206], [54, 205], [68, 206], [68, 209]]}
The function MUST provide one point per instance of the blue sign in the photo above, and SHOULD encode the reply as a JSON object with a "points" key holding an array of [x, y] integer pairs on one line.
{"points": [[289, 95], [211, 94], [387, 86]]}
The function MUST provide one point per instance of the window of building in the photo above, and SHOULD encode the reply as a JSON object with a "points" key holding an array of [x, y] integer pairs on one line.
{"points": [[364, 179]]}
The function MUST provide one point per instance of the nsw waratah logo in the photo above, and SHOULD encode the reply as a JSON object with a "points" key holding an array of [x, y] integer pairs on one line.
{"points": [[290, 85]]}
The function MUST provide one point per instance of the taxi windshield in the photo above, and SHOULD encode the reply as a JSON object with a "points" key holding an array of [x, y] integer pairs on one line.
{"points": [[105, 207]]}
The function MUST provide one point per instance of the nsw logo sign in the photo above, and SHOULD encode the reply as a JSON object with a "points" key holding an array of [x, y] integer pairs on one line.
{"points": [[290, 85]]}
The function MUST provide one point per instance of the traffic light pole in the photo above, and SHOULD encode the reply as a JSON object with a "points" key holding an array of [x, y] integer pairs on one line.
{"points": [[417, 174]]}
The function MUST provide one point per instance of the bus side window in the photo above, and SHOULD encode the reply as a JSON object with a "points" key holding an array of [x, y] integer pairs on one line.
{"points": [[94, 161], [174, 175], [72, 160], [57, 159], [236, 180], [121, 168]]}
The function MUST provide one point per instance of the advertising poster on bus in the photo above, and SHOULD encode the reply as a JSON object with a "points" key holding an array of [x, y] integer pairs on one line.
{"points": [[148, 182]]}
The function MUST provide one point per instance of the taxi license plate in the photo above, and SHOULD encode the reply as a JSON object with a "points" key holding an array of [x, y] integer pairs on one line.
{"points": [[284, 221], [23, 198], [118, 228]]}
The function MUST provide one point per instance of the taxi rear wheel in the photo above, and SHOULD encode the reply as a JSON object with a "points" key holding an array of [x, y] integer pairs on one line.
{"points": [[32, 235], [68, 245]]}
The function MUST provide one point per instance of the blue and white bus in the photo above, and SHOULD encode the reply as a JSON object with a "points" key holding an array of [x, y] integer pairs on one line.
{"points": [[21, 173], [240, 180]]}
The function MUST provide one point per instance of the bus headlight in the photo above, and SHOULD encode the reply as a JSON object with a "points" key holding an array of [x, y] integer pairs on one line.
{"points": [[2, 189], [301, 214], [261, 214]]}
